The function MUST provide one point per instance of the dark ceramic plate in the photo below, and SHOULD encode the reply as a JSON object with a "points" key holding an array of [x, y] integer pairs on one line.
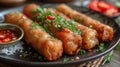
{"points": [[27, 56]]}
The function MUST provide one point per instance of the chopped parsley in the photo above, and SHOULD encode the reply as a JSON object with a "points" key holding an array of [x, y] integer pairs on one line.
{"points": [[101, 46], [37, 10], [108, 58], [24, 54], [39, 57], [76, 18], [82, 20], [65, 59], [34, 24], [58, 22], [82, 51]]}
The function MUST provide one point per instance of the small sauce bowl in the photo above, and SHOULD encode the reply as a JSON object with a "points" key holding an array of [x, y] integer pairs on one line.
{"points": [[7, 29]]}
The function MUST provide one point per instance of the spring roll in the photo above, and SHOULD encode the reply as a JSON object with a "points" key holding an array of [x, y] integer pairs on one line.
{"points": [[105, 32], [89, 36], [71, 41], [48, 46]]}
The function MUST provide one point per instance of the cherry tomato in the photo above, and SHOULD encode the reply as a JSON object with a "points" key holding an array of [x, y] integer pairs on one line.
{"points": [[93, 5], [63, 31], [66, 30], [50, 17], [111, 12], [115, 9], [60, 33]]}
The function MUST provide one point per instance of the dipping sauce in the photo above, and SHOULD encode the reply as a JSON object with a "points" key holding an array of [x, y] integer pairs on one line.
{"points": [[7, 35]]}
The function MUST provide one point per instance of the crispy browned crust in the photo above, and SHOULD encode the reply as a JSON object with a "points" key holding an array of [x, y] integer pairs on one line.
{"points": [[71, 41], [50, 48], [105, 32], [89, 36]]}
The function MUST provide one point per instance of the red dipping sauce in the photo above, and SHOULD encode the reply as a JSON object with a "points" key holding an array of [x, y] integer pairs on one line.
{"points": [[7, 35]]}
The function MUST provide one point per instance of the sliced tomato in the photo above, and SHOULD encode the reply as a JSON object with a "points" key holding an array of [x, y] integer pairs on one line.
{"points": [[66, 30], [103, 6], [93, 5], [111, 12]]}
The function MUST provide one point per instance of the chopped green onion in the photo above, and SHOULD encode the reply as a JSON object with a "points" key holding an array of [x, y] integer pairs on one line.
{"points": [[101, 46], [108, 58], [82, 51], [65, 59], [76, 18]]}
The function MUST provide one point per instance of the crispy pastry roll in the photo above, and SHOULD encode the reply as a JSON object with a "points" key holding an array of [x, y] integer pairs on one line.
{"points": [[105, 32], [56, 26], [48, 46], [89, 36]]}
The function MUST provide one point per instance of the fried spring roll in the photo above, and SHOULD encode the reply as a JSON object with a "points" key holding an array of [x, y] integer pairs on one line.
{"points": [[49, 47], [89, 36], [105, 32], [71, 41]]}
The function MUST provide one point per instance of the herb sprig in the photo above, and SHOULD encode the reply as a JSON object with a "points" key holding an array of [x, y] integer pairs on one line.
{"points": [[101, 46], [58, 21], [81, 52], [108, 58]]}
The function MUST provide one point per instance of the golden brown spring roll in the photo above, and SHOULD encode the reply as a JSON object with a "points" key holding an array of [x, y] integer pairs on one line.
{"points": [[89, 36], [71, 41], [105, 32], [49, 47]]}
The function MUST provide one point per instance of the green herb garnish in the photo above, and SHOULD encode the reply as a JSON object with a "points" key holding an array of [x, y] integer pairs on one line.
{"points": [[108, 58], [76, 18], [65, 59], [82, 20], [57, 22], [37, 10], [82, 51], [39, 57], [24, 54], [34, 24], [101, 46]]}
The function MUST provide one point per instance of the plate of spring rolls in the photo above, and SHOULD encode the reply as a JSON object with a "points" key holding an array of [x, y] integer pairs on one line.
{"points": [[59, 35]]}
